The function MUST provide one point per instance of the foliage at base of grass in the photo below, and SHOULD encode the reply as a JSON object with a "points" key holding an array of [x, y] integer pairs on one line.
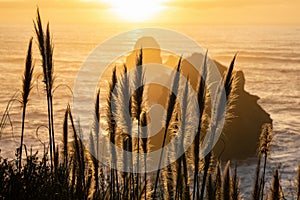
{"points": [[35, 180]]}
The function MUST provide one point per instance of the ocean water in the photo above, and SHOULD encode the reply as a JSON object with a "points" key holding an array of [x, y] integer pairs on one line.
{"points": [[269, 56]]}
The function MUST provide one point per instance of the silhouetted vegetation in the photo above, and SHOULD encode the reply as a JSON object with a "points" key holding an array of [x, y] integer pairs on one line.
{"points": [[74, 172]]}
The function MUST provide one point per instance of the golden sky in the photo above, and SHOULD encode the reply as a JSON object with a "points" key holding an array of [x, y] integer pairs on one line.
{"points": [[154, 11]]}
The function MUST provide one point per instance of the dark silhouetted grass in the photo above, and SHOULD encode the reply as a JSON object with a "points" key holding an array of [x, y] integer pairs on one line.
{"points": [[275, 190], [298, 184], [27, 85], [201, 93], [46, 52], [170, 108]]}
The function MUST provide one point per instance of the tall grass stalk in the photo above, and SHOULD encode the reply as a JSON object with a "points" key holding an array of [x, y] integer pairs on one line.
{"points": [[50, 69], [235, 192], [229, 77], [216, 116], [184, 129], [96, 149], [65, 135], [170, 182], [145, 148], [276, 189], [201, 102], [46, 51], [264, 150], [218, 181], [27, 85], [207, 162], [256, 190], [298, 184], [111, 102], [226, 189], [182, 187], [179, 183], [79, 161], [96, 123], [210, 189], [137, 104], [124, 108], [170, 108]]}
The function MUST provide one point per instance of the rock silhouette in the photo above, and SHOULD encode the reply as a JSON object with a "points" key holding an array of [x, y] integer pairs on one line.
{"points": [[240, 136]]}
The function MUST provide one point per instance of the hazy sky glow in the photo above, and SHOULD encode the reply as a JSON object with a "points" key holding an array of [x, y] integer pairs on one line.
{"points": [[162, 11], [136, 10]]}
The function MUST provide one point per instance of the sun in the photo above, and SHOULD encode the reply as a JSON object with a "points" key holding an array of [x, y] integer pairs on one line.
{"points": [[136, 10]]}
